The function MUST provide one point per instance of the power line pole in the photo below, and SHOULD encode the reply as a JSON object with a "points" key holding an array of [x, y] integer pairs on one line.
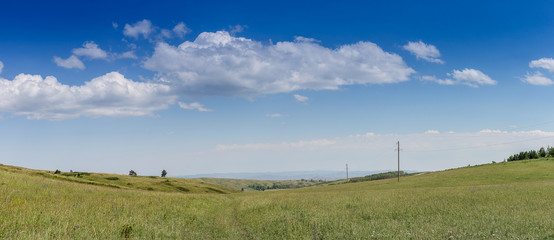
{"points": [[347, 172], [398, 147]]}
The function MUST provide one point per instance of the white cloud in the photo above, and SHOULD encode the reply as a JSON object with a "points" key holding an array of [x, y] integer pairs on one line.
{"points": [[164, 33], [181, 29], [143, 28], [107, 95], [237, 29], [115, 25], [432, 132], [300, 98], [91, 50], [1, 66], [545, 63], [537, 79], [276, 115], [492, 131], [375, 151], [128, 54], [424, 51], [217, 64], [194, 106], [71, 62], [469, 77], [264, 146]]}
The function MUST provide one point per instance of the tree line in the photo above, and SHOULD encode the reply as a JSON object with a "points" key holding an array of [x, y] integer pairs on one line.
{"points": [[533, 154]]}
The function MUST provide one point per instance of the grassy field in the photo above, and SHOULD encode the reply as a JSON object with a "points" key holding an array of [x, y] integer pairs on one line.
{"points": [[513, 200]]}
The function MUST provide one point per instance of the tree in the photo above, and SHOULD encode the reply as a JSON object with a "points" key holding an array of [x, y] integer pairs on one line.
{"points": [[542, 152], [551, 151], [132, 173], [164, 172]]}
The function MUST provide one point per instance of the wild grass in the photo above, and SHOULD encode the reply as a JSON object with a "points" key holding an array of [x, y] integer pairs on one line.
{"points": [[150, 183], [495, 201]]}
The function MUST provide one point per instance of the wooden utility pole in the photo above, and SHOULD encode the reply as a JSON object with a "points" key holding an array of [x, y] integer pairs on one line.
{"points": [[398, 147]]}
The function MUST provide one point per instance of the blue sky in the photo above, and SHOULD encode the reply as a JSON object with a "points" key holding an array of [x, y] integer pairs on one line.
{"points": [[203, 87]]}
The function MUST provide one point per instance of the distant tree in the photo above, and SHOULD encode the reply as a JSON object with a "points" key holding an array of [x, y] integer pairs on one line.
{"points": [[542, 152], [551, 151], [132, 173], [533, 154], [164, 172], [57, 171]]}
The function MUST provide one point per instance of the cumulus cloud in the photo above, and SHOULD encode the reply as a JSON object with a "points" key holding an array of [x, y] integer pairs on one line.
{"points": [[108, 95], [69, 63], [424, 51], [143, 28], [90, 50], [545, 63], [469, 77], [1, 66], [218, 64], [537, 79], [194, 106], [262, 146], [181, 30]]}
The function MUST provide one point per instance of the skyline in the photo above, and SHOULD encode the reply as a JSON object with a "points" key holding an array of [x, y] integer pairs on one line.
{"points": [[258, 87]]}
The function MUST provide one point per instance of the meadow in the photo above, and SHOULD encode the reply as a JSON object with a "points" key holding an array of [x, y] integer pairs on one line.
{"points": [[508, 200]]}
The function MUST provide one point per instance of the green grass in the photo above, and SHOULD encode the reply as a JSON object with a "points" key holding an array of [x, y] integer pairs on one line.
{"points": [[150, 183], [494, 201]]}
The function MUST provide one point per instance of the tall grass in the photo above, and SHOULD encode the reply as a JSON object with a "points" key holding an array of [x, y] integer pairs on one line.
{"points": [[494, 201]]}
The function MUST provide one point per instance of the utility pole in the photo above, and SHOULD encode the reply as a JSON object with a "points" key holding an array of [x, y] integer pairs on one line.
{"points": [[347, 172], [398, 147]]}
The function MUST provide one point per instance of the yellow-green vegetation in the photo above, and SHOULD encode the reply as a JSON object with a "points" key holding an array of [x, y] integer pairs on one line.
{"points": [[513, 200], [248, 184], [150, 183]]}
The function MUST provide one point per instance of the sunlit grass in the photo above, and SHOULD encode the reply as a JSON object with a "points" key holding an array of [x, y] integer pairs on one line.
{"points": [[495, 201]]}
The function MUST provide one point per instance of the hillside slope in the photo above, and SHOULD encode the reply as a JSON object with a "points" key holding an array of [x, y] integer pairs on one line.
{"points": [[150, 183], [494, 201]]}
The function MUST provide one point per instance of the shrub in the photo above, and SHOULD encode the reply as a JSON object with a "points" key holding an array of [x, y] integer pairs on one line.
{"points": [[57, 171], [132, 173], [164, 172]]}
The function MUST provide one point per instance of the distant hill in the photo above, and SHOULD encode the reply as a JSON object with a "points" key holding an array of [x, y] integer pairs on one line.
{"points": [[291, 175]]}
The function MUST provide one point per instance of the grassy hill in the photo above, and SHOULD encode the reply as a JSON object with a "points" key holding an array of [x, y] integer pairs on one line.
{"points": [[150, 183], [511, 200]]}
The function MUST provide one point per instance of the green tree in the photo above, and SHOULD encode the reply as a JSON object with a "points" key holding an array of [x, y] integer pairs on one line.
{"points": [[551, 151], [132, 173], [164, 172], [542, 152]]}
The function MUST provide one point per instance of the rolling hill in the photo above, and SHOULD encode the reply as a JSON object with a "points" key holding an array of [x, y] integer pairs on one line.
{"points": [[509, 200]]}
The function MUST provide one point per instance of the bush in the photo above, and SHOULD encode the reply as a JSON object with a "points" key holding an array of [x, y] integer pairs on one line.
{"points": [[132, 173], [164, 172], [57, 171]]}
